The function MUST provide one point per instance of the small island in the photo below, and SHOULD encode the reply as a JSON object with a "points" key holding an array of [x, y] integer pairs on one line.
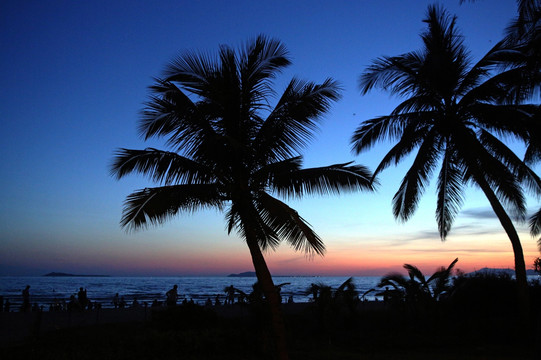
{"points": [[243, 274], [59, 274]]}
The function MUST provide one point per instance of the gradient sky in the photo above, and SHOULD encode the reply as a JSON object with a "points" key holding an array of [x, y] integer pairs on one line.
{"points": [[74, 76]]}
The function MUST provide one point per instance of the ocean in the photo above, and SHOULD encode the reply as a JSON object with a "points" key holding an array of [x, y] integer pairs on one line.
{"points": [[45, 290]]}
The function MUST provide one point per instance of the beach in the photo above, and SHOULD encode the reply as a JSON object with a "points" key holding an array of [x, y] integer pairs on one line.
{"points": [[373, 331], [17, 327], [478, 319]]}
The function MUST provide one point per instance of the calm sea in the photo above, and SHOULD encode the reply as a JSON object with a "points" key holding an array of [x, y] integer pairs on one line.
{"points": [[44, 290]]}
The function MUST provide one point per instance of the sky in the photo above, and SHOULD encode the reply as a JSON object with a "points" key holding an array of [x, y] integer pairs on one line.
{"points": [[74, 78]]}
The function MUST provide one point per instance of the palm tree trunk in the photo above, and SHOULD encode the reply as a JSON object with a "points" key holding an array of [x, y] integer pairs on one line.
{"points": [[265, 279], [520, 265]]}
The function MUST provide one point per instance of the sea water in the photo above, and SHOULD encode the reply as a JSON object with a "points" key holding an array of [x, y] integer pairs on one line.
{"points": [[46, 290]]}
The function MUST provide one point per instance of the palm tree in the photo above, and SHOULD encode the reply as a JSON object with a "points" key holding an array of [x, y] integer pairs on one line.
{"points": [[325, 297], [231, 150], [524, 35], [537, 265], [535, 230], [453, 117], [417, 288]]}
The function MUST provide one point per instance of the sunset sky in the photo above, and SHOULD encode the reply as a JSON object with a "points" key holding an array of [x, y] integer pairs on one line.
{"points": [[74, 77]]}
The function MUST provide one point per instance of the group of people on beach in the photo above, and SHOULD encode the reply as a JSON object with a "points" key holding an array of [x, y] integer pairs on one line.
{"points": [[79, 301], [4, 306]]}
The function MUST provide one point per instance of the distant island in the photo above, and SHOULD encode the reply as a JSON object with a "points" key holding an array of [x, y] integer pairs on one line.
{"points": [[243, 274], [73, 275]]}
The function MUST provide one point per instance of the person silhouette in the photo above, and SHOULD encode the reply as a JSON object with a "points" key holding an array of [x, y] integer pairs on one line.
{"points": [[122, 303], [26, 299], [81, 296], [171, 296], [116, 301], [230, 297]]}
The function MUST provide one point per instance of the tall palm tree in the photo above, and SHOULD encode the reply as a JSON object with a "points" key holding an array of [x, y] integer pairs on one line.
{"points": [[524, 36], [453, 117], [535, 230], [230, 149]]}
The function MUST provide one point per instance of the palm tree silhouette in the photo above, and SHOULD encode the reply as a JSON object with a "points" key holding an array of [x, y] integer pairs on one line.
{"points": [[416, 288], [324, 296], [453, 117], [231, 150], [524, 36]]}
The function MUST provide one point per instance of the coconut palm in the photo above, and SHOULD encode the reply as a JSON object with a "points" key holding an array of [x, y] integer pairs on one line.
{"points": [[522, 58], [537, 265], [524, 35], [453, 118], [416, 287], [230, 149], [535, 230], [325, 296]]}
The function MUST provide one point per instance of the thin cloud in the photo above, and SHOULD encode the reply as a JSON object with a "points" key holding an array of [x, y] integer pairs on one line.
{"points": [[480, 213], [461, 251]]}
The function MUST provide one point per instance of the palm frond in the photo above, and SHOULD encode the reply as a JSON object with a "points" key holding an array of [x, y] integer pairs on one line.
{"points": [[415, 274], [259, 63], [416, 179], [286, 223], [248, 222], [504, 120], [411, 138], [346, 285], [509, 159], [477, 80], [445, 59], [396, 280], [333, 179], [293, 121], [440, 279], [397, 74], [153, 206], [171, 114], [165, 109], [193, 71], [535, 223], [533, 150], [450, 193], [160, 166], [266, 174], [481, 166], [377, 129]]}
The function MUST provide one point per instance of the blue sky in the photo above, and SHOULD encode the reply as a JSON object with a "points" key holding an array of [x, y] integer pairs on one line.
{"points": [[75, 76]]}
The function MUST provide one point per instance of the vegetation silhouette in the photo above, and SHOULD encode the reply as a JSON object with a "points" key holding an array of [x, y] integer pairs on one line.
{"points": [[333, 309], [476, 319], [523, 37], [454, 115], [231, 150], [416, 292]]}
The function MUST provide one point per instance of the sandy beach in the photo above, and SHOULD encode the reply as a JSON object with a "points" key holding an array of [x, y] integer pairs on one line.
{"points": [[17, 327]]}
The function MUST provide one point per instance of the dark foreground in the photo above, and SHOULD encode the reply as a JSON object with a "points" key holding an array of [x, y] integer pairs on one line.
{"points": [[315, 331]]}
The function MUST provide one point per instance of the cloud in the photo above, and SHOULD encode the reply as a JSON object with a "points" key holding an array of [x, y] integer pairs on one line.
{"points": [[483, 213], [454, 250]]}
